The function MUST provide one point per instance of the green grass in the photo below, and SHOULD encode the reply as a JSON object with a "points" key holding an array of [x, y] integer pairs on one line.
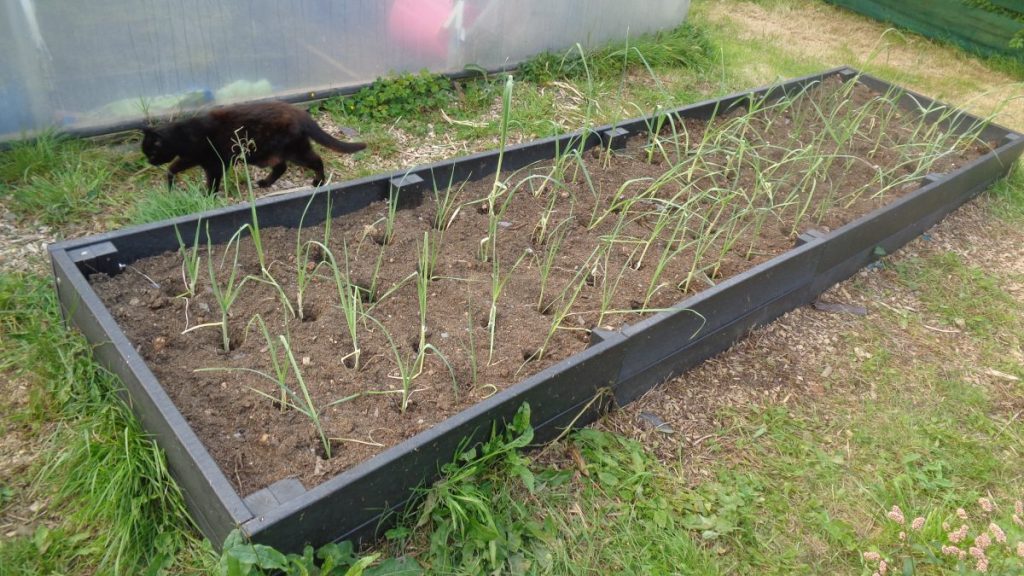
{"points": [[54, 179], [901, 430], [964, 296], [1009, 195], [163, 204], [800, 488], [499, 512], [687, 46], [121, 511]]}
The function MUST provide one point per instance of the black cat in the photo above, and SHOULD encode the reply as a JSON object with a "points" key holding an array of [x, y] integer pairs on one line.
{"points": [[273, 134]]}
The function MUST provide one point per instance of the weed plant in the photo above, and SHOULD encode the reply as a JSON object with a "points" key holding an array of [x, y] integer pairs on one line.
{"points": [[393, 97]]}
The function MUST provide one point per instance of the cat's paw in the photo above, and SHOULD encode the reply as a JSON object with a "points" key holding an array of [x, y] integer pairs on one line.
{"points": [[264, 183]]}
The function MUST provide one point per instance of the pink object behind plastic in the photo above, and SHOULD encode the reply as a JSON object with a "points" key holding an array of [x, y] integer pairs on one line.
{"points": [[419, 24]]}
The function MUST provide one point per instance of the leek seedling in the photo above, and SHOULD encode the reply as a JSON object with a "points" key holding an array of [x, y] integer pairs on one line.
{"points": [[446, 204], [569, 296], [280, 375], [489, 246], [305, 270], [497, 287], [471, 346], [254, 229], [349, 300], [229, 292], [424, 269], [676, 245], [303, 404], [389, 221], [309, 409], [551, 251], [190, 262], [242, 145], [608, 289], [409, 369], [540, 230]]}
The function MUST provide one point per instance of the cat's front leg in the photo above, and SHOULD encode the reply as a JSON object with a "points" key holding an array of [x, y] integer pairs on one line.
{"points": [[214, 175], [178, 165]]}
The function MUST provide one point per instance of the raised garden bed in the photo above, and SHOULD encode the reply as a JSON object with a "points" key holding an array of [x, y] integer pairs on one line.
{"points": [[594, 266]]}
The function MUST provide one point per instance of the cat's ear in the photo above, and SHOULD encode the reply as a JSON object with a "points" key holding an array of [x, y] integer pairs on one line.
{"points": [[148, 131]]}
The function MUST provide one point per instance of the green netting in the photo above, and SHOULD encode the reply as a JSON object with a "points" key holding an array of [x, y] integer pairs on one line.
{"points": [[988, 27]]}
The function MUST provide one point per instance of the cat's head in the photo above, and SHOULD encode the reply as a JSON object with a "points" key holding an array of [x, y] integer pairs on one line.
{"points": [[156, 147]]}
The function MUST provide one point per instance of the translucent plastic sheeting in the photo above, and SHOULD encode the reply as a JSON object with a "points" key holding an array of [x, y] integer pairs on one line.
{"points": [[96, 63]]}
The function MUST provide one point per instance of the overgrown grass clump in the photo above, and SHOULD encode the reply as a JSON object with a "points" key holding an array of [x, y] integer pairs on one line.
{"points": [[122, 512], [173, 203], [688, 47], [56, 179]]}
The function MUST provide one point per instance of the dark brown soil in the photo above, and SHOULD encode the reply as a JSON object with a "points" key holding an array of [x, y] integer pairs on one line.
{"points": [[257, 443]]}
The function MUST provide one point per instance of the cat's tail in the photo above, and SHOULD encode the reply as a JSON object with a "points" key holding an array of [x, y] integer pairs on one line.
{"points": [[324, 139]]}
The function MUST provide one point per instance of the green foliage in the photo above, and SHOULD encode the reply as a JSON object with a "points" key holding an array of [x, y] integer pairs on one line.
{"points": [[687, 46], [399, 96], [466, 531], [162, 204], [713, 510], [57, 179], [122, 511], [496, 512], [66, 194], [1009, 194], [44, 551], [654, 513], [1017, 14], [243, 558], [37, 156]]}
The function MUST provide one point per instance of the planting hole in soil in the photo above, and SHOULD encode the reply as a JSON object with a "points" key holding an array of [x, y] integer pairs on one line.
{"points": [[487, 282]]}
